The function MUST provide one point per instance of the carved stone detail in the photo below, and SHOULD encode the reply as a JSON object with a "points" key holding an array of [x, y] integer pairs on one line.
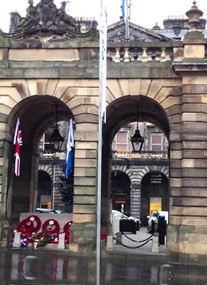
{"points": [[46, 20]]}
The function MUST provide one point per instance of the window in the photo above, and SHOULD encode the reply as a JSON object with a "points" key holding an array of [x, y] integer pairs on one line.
{"points": [[155, 204], [156, 141], [44, 142], [121, 141]]}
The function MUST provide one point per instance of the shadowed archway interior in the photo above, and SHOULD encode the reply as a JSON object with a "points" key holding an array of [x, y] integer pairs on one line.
{"points": [[36, 114], [119, 113]]}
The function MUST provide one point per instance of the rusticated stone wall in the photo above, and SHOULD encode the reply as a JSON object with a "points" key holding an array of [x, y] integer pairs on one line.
{"points": [[188, 226], [173, 94]]}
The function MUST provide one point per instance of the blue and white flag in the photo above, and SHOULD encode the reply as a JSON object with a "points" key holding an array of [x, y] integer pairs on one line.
{"points": [[70, 150], [123, 10]]}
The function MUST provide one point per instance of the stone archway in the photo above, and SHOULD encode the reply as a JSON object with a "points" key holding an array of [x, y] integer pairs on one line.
{"points": [[36, 113], [121, 112], [29, 100]]}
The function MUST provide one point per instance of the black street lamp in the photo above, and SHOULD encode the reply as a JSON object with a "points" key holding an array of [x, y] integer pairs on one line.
{"points": [[56, 140], [137, 140]]}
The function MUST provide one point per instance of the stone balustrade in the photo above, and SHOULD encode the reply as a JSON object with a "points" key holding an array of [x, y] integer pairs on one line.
{"points": [[143, 155], [146, 52], [140, 54]]}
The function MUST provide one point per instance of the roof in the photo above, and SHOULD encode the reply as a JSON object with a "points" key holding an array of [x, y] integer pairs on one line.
{"points": [[117, 30]]}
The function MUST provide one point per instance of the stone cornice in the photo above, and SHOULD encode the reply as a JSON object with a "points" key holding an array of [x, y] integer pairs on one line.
{"points": [[190, 67]]}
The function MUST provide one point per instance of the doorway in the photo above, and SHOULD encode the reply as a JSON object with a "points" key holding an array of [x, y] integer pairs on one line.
{"points": [[120, 187], [154, 194]]}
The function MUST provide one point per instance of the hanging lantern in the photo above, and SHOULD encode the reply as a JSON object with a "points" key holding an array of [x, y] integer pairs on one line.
{"points": [[56, 140], [137, 140]]}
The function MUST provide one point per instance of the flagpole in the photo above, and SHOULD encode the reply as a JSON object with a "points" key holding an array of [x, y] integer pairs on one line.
{"points": [[102, 106], [53, 187], [127, 21]]}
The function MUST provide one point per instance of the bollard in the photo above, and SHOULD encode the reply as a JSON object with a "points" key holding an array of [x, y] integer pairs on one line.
{"points": [[119, 238], [137, 225], [155, 245], [17, 239], [61, 242], [109, 243], [162, 228], [166, 274]]}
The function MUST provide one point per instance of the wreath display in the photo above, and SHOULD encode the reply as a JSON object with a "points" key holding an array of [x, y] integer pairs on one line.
{"points": [[29, 225], [55, 238], [41, 239], [66, 230], [25, 239], [51, 226]]}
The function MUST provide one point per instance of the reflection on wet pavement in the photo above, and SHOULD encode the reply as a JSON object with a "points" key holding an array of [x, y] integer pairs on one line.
{"points": [[46, 267]]}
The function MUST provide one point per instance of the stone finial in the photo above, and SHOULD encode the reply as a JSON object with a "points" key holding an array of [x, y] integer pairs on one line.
{"points": [[194, 15], [156, 27], [177, 29]]}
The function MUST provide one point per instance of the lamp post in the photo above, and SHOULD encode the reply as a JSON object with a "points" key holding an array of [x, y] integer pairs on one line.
{"points": [[101, 118], [56, 140], [137, 140]]}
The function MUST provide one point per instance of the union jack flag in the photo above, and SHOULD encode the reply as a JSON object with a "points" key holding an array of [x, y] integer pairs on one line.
{"points": [[18, 144]]}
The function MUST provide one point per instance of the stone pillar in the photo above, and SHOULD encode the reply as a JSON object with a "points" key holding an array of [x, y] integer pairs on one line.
{"points": [[187, 233], [175, 188], [194, 179], [83, 230], [5, 233], [135, 200]]}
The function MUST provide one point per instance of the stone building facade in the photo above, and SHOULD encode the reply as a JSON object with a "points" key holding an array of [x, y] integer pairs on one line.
{"points": [[133, 196], [50, 61]]}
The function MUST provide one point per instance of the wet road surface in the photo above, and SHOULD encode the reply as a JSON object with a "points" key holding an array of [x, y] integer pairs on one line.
{"points": [[25, 266]]}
